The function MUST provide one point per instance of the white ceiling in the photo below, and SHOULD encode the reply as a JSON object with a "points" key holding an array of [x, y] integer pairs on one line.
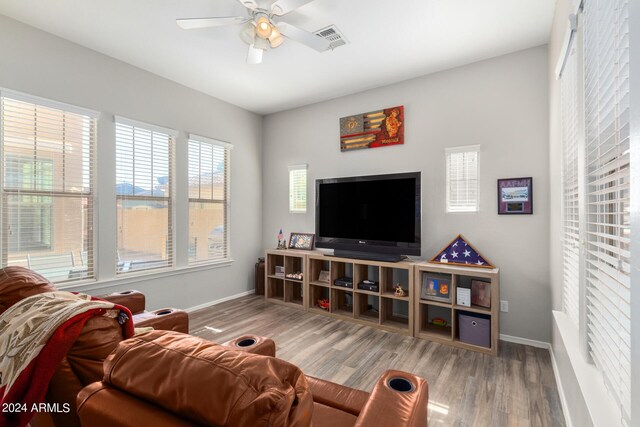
{"points": [[390, 41]]}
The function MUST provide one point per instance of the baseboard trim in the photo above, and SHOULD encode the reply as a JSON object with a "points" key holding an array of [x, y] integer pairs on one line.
{"points": [[525, 341], [219, 301], [563, 398]]}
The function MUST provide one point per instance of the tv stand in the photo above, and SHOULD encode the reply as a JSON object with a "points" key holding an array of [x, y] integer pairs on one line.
{"points": [[310, 281], [371, 256]]}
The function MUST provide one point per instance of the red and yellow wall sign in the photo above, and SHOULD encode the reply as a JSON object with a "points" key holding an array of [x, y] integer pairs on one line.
{"points": [[371, 130]]}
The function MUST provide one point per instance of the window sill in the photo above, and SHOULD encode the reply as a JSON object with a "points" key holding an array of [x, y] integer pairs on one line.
{"points": [[601, 406], [131, 278]]}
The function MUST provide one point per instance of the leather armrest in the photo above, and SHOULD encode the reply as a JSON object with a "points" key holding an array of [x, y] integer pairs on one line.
{"points": [[164, 319], [133, 300], [253, 344], [398, 399], [100, 405], [337, 396]]}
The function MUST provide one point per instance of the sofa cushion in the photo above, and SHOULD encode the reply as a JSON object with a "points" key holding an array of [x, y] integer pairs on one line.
{"points": [[17, 283], [208, 383]]}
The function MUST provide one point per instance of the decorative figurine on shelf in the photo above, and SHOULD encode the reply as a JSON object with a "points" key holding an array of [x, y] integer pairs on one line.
{"points": [[323, 304], [400, 292], [281, 243], [296, 276]]}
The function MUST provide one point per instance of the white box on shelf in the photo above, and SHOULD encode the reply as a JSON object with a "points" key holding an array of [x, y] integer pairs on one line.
{"points": [[279, 271]]}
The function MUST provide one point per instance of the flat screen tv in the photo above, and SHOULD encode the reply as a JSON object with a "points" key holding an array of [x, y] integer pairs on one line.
{"points": [[372, 217]]}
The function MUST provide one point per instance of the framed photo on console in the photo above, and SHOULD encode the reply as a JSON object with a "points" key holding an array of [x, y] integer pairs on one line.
{"points": [[515, 196], [436, 287], [302, 241], [481, 293]]}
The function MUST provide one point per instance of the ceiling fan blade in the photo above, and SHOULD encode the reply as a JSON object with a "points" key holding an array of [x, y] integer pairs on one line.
{"points": [[254, 56], [282, 7], [249, 4], [304, 37], [194, 23]]}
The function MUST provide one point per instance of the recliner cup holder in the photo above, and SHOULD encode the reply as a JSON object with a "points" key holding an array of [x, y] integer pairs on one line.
{"points": [[163, 312], [401, 385], [247, 342], [125, 292]]}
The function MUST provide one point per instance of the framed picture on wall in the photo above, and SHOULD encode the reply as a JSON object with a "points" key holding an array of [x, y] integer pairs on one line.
{"points": [[515, 196]]}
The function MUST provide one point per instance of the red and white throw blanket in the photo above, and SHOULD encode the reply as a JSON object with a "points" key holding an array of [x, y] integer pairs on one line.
{"points": [[35, 335]]}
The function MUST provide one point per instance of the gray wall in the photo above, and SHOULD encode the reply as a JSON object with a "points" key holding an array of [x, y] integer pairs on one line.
{"points": [[501, 104], [40, 64]]}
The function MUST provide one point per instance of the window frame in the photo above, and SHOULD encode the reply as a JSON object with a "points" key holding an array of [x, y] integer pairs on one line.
{"points": [[457, 150], [587, 328], [92, 230], [294, 168], [122, 269], [228, 148]]}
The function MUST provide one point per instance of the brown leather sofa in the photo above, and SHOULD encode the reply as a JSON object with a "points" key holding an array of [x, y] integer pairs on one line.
{"points": [[169, 379], [100, 335], [124, 400]]}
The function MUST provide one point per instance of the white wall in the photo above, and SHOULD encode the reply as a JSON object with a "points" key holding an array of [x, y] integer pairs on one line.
{"points": [[501, 104], [41, 64]]}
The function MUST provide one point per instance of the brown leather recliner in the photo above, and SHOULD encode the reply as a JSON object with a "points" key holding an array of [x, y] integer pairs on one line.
{"points": [[196, 382], [100, 335]]}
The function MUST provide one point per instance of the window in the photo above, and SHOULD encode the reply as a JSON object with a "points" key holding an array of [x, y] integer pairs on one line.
{"points": [[607, 269], [463, 178], [208, 199], [144, 208], [571, 186], [47, 187], [298, 189]]}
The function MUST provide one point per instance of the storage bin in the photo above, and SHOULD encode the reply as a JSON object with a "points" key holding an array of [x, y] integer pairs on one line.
{"points": [[475, 329]]}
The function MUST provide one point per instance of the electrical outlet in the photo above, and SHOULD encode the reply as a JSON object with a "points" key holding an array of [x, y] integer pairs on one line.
{"points": [[504, 306]]}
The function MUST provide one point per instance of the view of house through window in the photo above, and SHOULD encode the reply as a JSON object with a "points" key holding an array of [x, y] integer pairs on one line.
{"points": [[144, 168], [208, 199], [47, 191]]}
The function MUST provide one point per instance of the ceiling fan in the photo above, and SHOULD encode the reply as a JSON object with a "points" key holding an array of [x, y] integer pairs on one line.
{"points": [[262, 30]]}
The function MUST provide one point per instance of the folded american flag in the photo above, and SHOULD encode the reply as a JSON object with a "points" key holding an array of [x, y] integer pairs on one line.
{"points": [[460, 252]]}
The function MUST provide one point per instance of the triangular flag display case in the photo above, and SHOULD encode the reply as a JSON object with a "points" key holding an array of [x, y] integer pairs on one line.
{"points": [[462, 253]]}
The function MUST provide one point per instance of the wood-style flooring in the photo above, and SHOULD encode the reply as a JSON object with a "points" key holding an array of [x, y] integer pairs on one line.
{"points": [[466, 388]]}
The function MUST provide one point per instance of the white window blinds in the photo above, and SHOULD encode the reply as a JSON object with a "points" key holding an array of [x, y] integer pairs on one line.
{"points": [[144, 179], [606, 29], [47, 187], [298, 189], [570, 114], [208, 200], [463, 178]]}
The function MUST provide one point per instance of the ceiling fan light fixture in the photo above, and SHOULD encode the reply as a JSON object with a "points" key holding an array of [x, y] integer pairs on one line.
{"points": [[248, 33], [263, 27], [276, 38]]}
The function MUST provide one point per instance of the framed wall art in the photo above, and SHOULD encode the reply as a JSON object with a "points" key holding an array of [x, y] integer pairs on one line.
{"points": [[302, 241], [374, 129], [515, 196]]}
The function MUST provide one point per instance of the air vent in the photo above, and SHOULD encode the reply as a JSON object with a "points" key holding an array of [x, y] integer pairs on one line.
{"points": [[332, 34]]}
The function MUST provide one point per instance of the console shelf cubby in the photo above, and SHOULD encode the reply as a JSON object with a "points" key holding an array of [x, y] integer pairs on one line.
{"points": [[426, 310], [280, 286], [381, 308]]}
